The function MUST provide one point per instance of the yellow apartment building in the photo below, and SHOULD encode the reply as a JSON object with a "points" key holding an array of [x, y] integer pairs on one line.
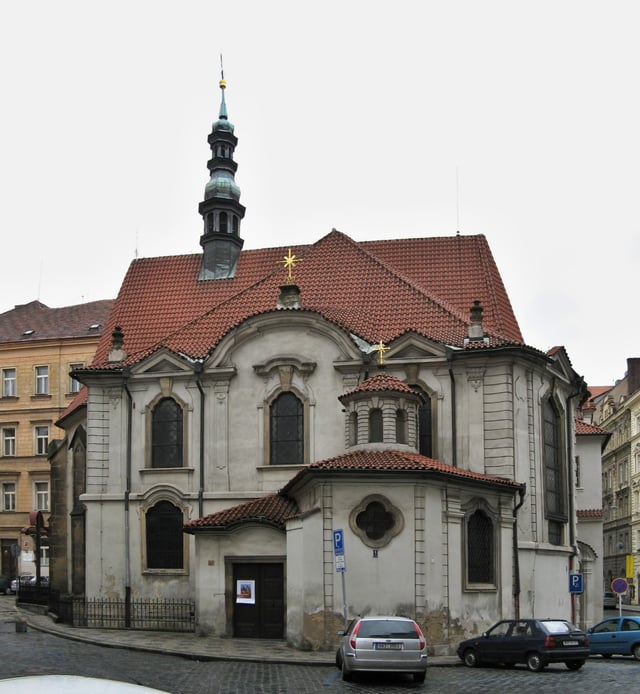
{"points": [[39, 346]]}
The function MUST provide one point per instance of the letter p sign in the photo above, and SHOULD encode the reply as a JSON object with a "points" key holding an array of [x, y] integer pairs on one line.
{"points": [[575, 583]]}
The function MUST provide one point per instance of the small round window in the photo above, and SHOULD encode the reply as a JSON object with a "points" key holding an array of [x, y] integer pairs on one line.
{"points": [[376, 521]]}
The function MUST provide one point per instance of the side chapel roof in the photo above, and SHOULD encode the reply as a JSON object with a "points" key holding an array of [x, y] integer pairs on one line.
{"points": [[276, 509]]}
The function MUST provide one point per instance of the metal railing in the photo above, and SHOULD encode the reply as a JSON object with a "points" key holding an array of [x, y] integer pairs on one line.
{"points": [[161, 614]]}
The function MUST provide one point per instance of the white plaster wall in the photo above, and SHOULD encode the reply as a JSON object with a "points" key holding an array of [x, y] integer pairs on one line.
{"points": [[210, 586]]}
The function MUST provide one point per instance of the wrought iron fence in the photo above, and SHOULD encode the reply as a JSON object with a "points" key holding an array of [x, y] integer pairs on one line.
{"points": [[144, 614]]}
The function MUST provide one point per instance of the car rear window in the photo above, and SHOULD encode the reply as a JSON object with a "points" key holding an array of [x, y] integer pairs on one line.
{"points": [[558, 627], [395, 629]]}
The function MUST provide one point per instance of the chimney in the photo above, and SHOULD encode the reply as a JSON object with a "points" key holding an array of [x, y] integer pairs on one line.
{"points": [[633, 375], [117, 353], [476, 332], [289, 297]]}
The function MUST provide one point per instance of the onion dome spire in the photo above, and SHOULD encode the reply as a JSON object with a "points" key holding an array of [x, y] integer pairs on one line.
{"points": [[221, 209]]}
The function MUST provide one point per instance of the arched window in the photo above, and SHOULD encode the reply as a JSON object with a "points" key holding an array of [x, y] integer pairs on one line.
{"points": [[375, 425], [223, 222], [554, 486], [480, 548], [425, 433], [166, 436], [236, 225], [353, 428], [401, 426], [286, 430], [164, 536]]}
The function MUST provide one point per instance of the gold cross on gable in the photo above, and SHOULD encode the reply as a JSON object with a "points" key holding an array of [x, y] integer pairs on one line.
{"points": [[381, 348], [289, 263]]}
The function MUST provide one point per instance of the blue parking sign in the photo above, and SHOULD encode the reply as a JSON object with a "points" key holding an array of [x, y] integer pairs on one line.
{"points": [[575, 583], [338, 542]]}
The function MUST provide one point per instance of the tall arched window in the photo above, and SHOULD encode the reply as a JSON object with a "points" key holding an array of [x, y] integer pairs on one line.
{"points": [[480, 549], [554, 486], [375, 425], [223, 222], [164, 536], [401, 426], [166, 436], [425, 433], [286, 416]]}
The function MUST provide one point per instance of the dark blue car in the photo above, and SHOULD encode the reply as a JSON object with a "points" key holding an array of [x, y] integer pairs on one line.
{"points": [[616, 636]]}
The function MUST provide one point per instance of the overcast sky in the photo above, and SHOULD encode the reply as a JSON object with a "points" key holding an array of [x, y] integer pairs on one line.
{"points": [[516, 120]]}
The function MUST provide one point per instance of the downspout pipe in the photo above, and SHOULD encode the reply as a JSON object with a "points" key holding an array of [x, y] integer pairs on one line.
{"points": [[581, 385], [198, 370], [454, 428], [516, 557], [127, 493]]}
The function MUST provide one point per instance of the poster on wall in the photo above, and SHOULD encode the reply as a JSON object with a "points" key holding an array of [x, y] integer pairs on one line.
{"points": [[246, 592]]}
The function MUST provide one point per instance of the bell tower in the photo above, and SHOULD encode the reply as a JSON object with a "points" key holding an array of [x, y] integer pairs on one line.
{"points": [[221, 209]]}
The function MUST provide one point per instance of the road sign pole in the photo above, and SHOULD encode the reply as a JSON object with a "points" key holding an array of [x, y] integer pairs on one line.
{"points": [[338, 550]]}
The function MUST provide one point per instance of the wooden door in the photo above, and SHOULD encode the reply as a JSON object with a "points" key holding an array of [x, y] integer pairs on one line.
{"points": [[258, 610]]}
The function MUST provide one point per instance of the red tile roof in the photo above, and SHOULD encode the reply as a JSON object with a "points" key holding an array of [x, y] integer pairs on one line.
{"points": [[381, 383], [35, 321], [590, 513], [276, 509], [272, 510], [584, 429], [393, 461], [376, 290]]}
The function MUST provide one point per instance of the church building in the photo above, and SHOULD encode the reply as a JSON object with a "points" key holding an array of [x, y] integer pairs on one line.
{"points": [[297, 435]]}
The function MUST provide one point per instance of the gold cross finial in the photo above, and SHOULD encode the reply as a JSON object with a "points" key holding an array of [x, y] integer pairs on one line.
{"points": [[381, 348], [289, 263]]}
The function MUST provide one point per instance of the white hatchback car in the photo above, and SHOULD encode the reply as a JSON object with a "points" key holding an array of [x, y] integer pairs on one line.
{"points": [[383, 644]]}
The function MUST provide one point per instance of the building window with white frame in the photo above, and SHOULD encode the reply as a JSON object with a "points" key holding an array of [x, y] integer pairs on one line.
{"points": [[41, 494], [42, 380], [9, 441], [9, 383], [74, 386], [42, 439], [44, 556], [8, 496]]}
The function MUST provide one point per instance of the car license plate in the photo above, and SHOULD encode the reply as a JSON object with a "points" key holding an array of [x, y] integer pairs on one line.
{"points": [[387, 646], [570, 643]]}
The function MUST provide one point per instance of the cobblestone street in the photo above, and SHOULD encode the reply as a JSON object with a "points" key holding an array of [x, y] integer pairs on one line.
{"points": [[34, 653]]}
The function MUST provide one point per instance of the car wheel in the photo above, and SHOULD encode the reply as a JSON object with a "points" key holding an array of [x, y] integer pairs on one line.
{"points": [[606, 655], [470, 658], [419, 676], [338, 660], [574, 664], [346, 675], [636, 651], [534, 662]]}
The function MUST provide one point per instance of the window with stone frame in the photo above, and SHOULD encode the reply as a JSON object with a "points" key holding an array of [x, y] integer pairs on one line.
{"points": [[376, 521], [167, 434], [9, 383], [480, 549], [554, 483], [376, 432], [286, 430], [42, 439], [8, 441], [164, 536], [401, 426], [425, 423], [8, 496]]}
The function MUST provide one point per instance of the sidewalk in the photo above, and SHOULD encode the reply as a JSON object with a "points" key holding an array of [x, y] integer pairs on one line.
{"points": [[192, 646]]}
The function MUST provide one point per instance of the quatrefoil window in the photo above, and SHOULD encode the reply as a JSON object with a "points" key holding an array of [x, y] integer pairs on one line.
{"points": [[376, 521]]}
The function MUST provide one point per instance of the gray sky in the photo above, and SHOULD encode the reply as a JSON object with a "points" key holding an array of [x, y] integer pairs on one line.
{"points": [[517, 120]]}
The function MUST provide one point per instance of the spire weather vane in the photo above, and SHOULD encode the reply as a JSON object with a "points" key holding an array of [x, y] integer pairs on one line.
{"points": [[289, 262]]}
